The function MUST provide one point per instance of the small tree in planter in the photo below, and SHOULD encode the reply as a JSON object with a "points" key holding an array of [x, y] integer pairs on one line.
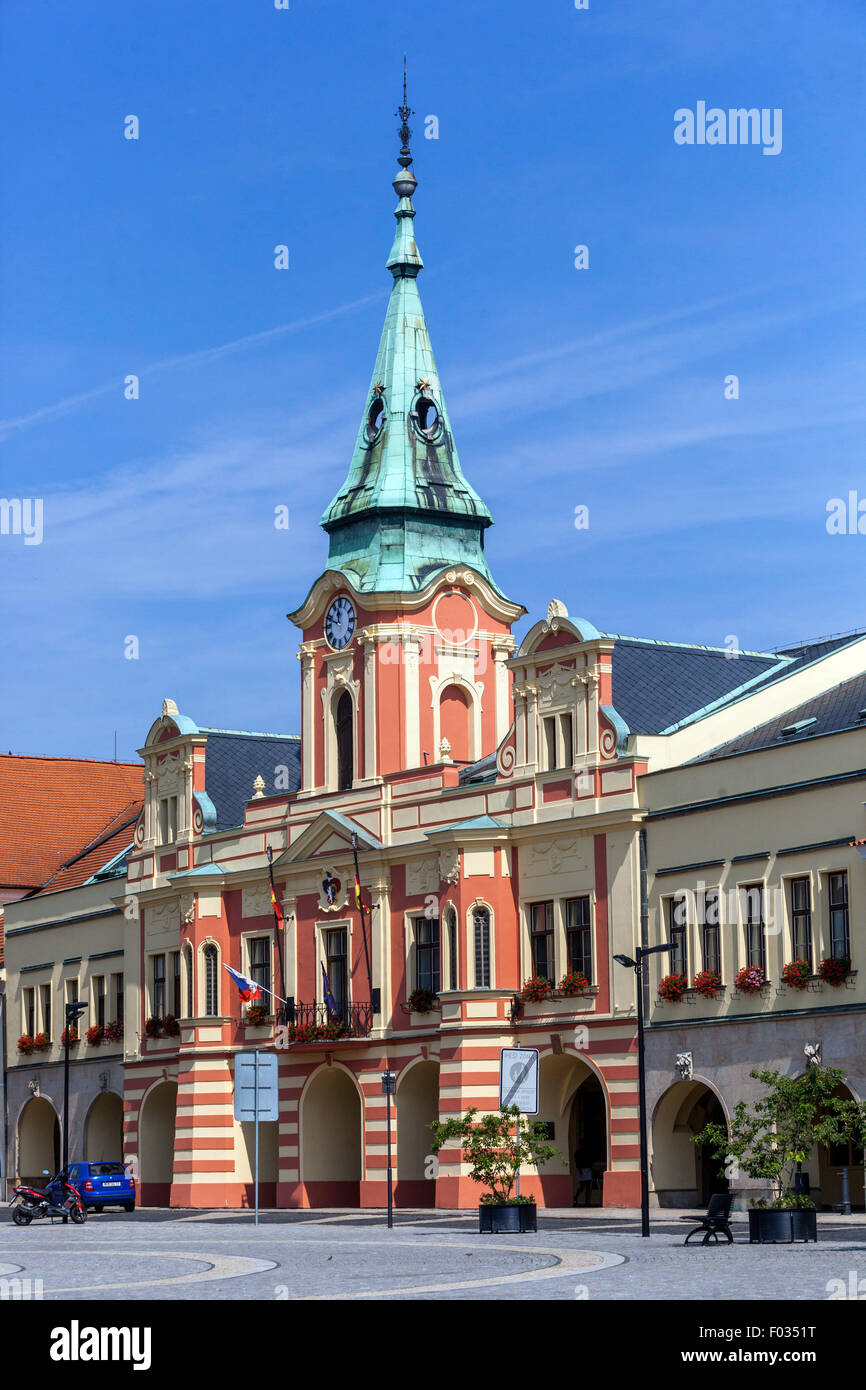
{"points": [[835, 970], [708, 983], [770, 1138], [673, 987], [797, 974], [496, 1147], [536, 988]]}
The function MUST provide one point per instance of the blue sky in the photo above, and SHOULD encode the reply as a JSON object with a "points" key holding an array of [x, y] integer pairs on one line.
{"points": [[602, 387]]}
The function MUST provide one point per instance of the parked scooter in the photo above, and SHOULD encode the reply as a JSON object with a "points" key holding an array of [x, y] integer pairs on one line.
{"points": [[30, 1204]]}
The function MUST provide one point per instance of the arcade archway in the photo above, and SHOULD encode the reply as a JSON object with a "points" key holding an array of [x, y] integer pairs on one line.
{"points": [[682, 1173], [331, 1128], [417, 1105], [38, 1141], [572, 1102], [156, 1144], [103, 1129]]}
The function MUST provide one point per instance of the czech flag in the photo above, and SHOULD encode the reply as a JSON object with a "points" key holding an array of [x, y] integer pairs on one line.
{"points": [[247, 988]]}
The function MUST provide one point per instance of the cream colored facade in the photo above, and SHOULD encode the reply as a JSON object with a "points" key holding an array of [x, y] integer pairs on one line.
{"points": [[60, 946], [769, 819]]}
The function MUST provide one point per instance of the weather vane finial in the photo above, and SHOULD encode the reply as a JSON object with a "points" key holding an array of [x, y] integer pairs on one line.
{"points": [[404, 112]]}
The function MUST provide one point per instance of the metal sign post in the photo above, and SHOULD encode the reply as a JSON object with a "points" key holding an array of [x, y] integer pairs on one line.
{"points": [[256, 1097], [518, 1084], [389, 1086]]}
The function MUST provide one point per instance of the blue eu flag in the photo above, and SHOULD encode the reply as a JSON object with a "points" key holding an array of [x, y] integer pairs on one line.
{"points": [[328, 997]]}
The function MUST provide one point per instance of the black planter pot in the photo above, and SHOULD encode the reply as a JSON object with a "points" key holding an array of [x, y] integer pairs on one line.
{"points": [[781, 1227], [498, 1219]]}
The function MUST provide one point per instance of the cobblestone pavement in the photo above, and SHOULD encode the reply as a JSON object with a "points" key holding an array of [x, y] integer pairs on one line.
{"points": [[173, 1255]]}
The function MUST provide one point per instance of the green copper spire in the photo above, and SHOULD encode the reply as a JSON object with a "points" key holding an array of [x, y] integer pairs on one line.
{"points": [[405, 510]]}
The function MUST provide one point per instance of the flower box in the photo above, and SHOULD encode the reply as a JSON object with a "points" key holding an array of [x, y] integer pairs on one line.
{"points": [[25, 1043], [573, 985], [70, 1035], [708, 983], [41, 1042], [95, 1034], [834, 970], [421, 1001], [673, 987], [797, 974], [113, 1032], [536, 988], [750, 979]]}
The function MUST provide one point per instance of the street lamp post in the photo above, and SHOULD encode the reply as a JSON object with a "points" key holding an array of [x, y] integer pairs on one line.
{"points": [[641, 952], [389, 1086], [73, 1013]]}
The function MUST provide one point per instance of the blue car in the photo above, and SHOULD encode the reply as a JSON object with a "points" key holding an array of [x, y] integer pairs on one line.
{"points": [[103, 1184]]}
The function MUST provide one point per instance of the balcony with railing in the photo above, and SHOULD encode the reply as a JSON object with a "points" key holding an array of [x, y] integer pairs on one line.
{"points": [[309, 1023]]}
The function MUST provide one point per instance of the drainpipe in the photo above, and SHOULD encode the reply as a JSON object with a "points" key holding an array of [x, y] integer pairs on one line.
{"points": [[644, 918]]}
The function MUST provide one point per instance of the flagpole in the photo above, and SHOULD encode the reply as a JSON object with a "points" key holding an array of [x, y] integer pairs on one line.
{"points": [[361, 909], [278, 925]]}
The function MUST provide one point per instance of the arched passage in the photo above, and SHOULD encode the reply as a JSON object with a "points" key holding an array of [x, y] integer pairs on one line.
{"points": [[331, 1126], [572, 1100], [682, 1174], [156, 1144], [825, 1167], [417, 1104], [103, 1129], [38, 1141]]}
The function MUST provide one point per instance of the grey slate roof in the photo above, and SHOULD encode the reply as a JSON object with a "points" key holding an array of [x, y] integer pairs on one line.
{"points": [[233, 760], [832, 712], [482, 771], [657, 685]]}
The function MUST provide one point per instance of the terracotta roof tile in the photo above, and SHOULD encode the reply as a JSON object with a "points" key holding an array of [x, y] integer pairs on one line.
{"points": [[53, 808]]}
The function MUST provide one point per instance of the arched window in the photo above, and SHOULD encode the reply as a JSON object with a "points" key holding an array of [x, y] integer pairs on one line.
{"points": [[454, 716], [211, 991], [343, 729], [190, 993], [481, 925], [452, 948]]}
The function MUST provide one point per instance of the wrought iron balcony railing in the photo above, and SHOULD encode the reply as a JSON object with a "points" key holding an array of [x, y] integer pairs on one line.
{"points": [[316, 1022]]}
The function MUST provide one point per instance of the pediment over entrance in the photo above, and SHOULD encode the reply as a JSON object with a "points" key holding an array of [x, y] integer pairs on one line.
{"points": [[329, 835]]}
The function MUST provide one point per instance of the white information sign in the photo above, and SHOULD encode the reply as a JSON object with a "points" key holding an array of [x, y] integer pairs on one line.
{"points": [[518, 1078]]}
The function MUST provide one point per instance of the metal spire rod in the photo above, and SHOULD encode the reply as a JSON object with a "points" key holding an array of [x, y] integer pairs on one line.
{"points": [[404, 112]]}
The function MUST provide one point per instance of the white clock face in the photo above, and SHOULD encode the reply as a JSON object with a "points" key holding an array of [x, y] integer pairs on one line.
{"points": [[340, 623]]}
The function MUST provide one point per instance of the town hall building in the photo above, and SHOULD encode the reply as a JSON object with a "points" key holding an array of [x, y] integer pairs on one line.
{"points": [[492, 792]]}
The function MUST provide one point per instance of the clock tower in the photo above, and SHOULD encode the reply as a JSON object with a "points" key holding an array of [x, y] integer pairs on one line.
{"points": [[406, 634]]}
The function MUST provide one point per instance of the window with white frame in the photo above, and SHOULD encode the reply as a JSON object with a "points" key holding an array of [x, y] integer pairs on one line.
{"points": [[481, 934], [678, 933], [578, 935], [752, 898], [260, 966], [840, 938], [45, 1000], [210, 957], [28, 999], [557, 741], [167, 820], [427, 961], [98, 988], [337, 965], [711, 943], [190, 981], [451, 921], [541, 939], [157, 985], [800, 890]]}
